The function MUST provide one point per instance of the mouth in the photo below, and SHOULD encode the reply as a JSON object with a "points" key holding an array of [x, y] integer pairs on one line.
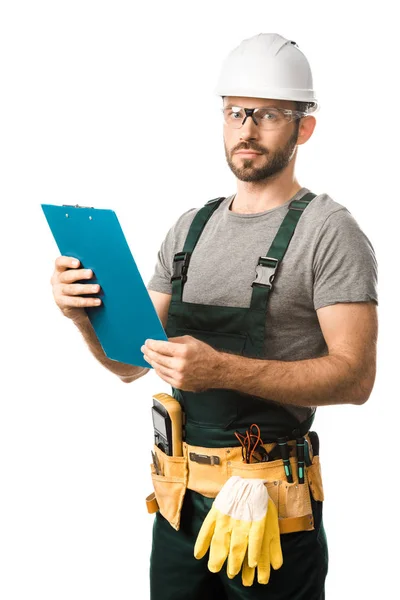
{"points": [[248, 153]]}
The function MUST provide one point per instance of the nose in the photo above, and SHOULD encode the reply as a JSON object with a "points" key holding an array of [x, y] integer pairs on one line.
{"points": [[249, 130]]}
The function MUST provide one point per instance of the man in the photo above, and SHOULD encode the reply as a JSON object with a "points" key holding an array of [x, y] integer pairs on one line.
{"points": [[269, 301]]}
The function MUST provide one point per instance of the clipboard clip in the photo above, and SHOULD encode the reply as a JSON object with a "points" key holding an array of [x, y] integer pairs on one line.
{"points": [[78, 206]]}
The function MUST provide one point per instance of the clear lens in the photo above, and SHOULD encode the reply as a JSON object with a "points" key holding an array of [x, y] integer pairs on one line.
{"points": [[234, 116], [266, 118]]}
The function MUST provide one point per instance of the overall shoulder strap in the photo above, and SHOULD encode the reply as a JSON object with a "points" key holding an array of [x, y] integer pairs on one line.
{"points": [[268, 264]]}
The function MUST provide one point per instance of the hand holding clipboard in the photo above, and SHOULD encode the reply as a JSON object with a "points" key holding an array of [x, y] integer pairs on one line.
{"points": [[126, 316], [72, 289]]}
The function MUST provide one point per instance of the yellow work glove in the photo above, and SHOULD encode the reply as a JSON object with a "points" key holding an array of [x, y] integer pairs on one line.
{"points": [[271, 551], [235, 524]]}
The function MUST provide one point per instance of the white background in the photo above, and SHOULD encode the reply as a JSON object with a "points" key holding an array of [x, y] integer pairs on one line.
{"points": [[76, 81]]}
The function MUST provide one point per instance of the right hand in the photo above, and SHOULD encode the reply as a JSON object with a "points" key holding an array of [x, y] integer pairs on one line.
{"points": [[67, 293]]}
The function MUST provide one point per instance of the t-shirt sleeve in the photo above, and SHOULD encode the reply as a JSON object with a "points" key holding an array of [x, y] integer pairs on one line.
{"points": [[160, 281], [345, 265]]}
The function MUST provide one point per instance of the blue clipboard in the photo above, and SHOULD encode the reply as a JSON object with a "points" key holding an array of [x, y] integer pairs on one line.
{"points": [[126, 317]]}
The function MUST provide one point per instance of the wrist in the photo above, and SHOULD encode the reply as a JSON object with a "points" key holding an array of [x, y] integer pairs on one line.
{"points": [[79, 318], [222, 369]]}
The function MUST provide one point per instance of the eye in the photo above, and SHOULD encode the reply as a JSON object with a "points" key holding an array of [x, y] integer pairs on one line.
{"points": [[235, 113], [265, 114]]}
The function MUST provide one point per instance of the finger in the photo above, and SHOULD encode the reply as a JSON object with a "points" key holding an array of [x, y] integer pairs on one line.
{"points": [[76, 289], [238, 547], [276, 553], [72, 275], [167, 348], [263, 571], [220, 543], [272, 524], [205, 534], [271, 553], [76, 301], [247, 573], [167, 376], [160, 359], [162, 371], [256, 537], [66, 262], [264, 565]]}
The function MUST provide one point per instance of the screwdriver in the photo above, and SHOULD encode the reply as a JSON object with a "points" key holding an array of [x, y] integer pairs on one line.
{"points": [[300, 459], [284, 448]]}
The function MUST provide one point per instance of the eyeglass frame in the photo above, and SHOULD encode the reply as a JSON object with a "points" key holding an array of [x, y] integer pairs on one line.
{"points": [[295, 114]]}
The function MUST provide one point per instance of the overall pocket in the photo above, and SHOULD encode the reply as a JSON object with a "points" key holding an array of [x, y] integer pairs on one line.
{"points": [[233, 342], [213, 408], [170, 485]]}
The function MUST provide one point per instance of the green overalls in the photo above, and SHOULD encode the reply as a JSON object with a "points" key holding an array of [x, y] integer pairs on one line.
{"points": [[212, 416]]}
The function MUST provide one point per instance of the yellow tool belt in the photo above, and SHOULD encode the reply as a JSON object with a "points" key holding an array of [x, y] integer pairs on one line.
{"points": [[206, 470]]}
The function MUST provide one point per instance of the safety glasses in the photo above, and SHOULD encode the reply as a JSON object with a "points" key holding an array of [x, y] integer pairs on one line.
{"points": [[266, 118]]}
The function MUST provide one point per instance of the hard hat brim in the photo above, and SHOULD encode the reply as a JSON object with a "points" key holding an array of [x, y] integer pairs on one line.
{"points": [[293, 96]]}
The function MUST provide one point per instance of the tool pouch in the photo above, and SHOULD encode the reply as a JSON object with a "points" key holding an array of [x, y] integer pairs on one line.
{"points": [[292, 500], [170, 485]]}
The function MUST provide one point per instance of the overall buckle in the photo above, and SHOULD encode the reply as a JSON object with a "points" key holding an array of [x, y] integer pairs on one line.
{"points": [[181, 263], [265, 271]]}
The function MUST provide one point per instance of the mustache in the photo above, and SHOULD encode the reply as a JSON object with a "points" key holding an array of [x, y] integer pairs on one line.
{"points": [[250, 147]]}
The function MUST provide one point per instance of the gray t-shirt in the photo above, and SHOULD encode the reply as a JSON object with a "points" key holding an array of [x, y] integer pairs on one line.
{"points": [[329, 260]]}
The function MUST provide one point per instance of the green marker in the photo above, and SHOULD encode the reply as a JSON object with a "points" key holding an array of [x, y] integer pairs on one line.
{"points": [[284, 448]]}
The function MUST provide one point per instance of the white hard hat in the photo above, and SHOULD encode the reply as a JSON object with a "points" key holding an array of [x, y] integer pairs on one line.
{"points": [[268, 65]]}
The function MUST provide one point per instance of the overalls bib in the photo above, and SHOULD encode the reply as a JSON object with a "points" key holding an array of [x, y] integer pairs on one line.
{"points": [[211, 418]]}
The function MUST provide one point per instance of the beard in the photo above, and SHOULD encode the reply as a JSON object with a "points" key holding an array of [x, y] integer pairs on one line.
{"points": [[278, 161]]}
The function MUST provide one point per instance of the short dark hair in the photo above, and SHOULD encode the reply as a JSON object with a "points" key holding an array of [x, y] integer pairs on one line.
{"points": [[302, 106]]}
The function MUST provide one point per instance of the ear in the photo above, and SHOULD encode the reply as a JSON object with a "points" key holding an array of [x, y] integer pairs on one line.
{"points": [[306, 128]]}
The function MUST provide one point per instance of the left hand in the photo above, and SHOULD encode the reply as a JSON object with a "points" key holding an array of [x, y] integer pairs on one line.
{"points": [[184, 362]]}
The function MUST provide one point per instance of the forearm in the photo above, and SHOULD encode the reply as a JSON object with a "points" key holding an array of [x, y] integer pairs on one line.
{"points": [[312, 382], [126, 372]]}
